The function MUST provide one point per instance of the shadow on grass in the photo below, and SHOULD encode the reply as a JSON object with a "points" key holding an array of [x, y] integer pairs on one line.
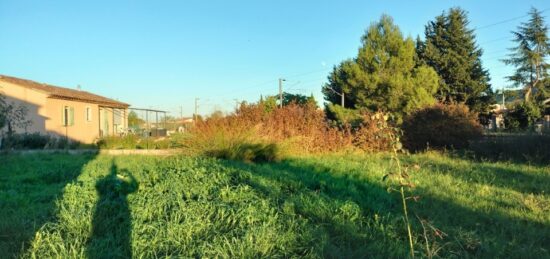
{"points": [[29, 188], [527, 148], [317, 191], [499, 175], [111, 224]]}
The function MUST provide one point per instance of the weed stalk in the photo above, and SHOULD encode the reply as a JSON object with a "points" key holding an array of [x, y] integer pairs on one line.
{"points": [[402, 177]]}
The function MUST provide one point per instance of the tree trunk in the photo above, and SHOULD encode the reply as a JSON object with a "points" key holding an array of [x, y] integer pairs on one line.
{"points": [[528, 91]]}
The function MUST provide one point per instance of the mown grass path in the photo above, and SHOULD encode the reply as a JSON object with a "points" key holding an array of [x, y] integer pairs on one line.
{"points": [[74, 206]]}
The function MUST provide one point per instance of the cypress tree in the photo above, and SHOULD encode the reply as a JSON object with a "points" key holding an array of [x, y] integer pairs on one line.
{"points": [[450, 48]]}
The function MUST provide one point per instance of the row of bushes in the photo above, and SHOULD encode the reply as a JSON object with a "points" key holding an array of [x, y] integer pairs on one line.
{"points": [[255, 133], [38, 141], [42, 141], [136, 142], [454, 127], [294, 129]]}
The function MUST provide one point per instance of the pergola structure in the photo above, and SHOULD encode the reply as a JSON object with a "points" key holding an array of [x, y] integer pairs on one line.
{"points": [[155, 114]]}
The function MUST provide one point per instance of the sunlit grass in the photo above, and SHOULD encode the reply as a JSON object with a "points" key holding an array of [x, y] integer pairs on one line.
{"points": [[314, 206]]}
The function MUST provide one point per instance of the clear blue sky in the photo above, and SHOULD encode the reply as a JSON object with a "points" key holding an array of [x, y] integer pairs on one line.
{"points": [[163, 54]]}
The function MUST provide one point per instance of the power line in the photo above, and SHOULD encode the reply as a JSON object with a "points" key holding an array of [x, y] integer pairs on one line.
{"points": [[495, 57], [506, 21], [247, 88], [494, 52], [308, 73], [274, 81], [497, 39], [502, 22]]}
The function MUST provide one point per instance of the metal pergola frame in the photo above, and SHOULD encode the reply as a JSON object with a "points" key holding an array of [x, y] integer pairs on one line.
{"points": [[147, 111]]}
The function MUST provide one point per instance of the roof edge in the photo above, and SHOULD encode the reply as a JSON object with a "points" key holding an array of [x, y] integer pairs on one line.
{"points": [[58, 92]]}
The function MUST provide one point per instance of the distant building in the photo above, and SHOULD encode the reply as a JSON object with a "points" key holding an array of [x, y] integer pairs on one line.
{"points": [[75, 114], [497, 117]]}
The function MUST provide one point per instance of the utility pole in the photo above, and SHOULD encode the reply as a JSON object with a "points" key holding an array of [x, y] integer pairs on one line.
{"points": [[503, 101], [148, 127], [196, 109], [342, 97], [281, 92], [181, 113], [236, 104]]}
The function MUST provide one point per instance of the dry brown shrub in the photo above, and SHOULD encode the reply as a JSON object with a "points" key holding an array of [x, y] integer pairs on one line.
{"points": [[374, 134], [441, 126], [294, 128]]}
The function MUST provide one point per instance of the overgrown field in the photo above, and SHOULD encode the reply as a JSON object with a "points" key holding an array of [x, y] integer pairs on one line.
{"points": [[69, 206]]}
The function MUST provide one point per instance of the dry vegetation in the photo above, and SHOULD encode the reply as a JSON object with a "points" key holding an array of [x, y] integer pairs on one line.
{"points": [[441, 126], [293, 129]]}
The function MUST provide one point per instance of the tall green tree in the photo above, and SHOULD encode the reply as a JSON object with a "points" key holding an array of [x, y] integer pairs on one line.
{"points": [[133, 120], [384, 76], [270, 102], [450, 48], [299, 99], [528, 57]]}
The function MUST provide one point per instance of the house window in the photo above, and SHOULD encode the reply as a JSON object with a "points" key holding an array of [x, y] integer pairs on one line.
{"points": [[68, 116], [88, 114]]}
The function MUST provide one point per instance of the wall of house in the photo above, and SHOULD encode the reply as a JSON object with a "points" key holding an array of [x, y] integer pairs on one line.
{"points": [[46, 115], [82, 130], [33, 101]]}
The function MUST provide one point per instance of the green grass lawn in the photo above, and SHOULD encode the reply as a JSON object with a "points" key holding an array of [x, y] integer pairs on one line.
{"points": [[69, 206]]}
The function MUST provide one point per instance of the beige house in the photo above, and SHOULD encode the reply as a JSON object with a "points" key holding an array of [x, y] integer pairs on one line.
{"points": [[75, 114]]}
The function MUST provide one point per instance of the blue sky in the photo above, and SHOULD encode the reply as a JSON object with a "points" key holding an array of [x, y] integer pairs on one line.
{"points": [[163, 54]]}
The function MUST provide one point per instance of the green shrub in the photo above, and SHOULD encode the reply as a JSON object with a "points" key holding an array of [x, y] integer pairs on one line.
{"points": [[26, 141], [440, 126], [341, 116], [114, 142], [38, 141], [135, 142], [248, 152], [522, 116]]}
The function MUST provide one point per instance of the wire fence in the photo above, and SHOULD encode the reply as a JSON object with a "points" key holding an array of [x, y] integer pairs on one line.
{"points": [[155, 123]]}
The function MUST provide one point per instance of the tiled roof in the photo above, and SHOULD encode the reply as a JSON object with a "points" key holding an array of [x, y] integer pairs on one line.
{"points": [[64, 93]]}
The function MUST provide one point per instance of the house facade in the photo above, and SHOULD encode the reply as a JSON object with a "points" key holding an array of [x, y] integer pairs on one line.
{"points": [[78, 115]]}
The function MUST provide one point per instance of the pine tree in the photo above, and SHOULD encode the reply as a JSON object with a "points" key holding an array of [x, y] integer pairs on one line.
{"points": [[338, 83], [528, 57], [384, 76], [420, 52], [450, 48]]}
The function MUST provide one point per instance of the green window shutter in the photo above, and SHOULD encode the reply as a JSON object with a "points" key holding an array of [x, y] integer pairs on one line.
{"points": [[71, 116], [63, 118]]}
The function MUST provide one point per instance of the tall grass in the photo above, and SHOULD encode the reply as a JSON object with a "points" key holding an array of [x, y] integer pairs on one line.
{"points": [[328, 206]]}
